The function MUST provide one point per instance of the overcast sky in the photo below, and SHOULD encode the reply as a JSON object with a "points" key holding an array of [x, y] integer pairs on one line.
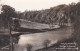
{"points": [[22, 5]]}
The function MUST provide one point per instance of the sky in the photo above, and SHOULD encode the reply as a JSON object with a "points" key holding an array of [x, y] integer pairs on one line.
{"points": [[22, 5]]}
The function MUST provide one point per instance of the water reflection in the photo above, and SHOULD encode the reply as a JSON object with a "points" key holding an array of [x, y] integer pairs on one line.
{"points": [[37, 39]]}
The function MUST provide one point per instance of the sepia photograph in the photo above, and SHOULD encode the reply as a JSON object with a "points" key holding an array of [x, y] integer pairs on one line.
{"points": [[39, 25]]}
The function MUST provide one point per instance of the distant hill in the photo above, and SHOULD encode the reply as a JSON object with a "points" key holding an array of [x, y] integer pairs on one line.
{"points": [[53, 15]]}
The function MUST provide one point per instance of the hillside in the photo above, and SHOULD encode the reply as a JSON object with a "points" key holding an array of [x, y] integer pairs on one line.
{"points": [[35, 25], [54, 15]]}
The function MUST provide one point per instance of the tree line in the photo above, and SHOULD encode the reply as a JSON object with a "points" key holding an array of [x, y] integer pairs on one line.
{"points": [[60, 14]]}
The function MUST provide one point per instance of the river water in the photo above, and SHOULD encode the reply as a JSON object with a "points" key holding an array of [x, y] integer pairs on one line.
{"points": [[37, 39]]}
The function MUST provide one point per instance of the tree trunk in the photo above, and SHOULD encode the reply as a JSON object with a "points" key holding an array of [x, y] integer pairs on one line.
{"points": [[11, 38]]}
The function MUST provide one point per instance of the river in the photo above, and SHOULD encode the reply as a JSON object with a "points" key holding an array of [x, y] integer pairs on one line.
{"points": [[37, 39]]}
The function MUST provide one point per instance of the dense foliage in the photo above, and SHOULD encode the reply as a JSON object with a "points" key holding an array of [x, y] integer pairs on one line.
{"points": [[7, 13]]}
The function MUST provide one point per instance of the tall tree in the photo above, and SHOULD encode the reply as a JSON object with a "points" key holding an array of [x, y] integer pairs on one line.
{"points": [[76, 20], [7, 14]]}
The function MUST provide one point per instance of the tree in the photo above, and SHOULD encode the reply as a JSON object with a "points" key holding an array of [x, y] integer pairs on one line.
{"points": [[15, 25], [76, 15], [7, 14]]}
